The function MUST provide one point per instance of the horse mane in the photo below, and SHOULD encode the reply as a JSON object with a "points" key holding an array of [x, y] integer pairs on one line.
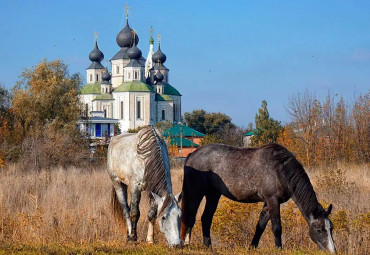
{"points": [[298, 181], [152, 149]]}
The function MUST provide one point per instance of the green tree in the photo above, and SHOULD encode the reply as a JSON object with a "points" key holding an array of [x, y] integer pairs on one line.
{"points": [[208, 123], [196, 119], [267, 129]]}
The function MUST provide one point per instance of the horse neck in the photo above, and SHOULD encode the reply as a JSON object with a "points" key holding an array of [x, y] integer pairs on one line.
{"points": [[301, 188]]}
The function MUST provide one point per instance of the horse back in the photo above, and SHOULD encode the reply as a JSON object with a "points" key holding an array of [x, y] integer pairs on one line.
{"points": [[241, 174]]}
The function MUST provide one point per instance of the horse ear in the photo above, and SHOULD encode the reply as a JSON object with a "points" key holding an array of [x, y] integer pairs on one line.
{"points": [[157, 199], [178, 197], [329, 209]]}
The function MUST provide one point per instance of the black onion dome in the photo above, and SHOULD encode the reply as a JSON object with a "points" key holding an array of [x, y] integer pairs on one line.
{"points": [[96, 55], [158, 77], [159, 56], [134, 53], [106, 76], [125, 37]]}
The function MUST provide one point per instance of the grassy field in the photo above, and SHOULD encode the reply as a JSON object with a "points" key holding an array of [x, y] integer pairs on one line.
{"points": [[67, 211]]}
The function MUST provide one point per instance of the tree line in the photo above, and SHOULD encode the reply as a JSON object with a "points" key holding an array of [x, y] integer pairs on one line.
{"points": [[38, 120]]}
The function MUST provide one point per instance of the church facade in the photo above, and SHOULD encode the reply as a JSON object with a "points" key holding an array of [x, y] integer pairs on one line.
{"points": [[136, 92]]}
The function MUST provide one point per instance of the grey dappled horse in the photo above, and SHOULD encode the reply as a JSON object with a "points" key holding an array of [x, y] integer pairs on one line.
{"points": [[269, 174], [140, 162]]}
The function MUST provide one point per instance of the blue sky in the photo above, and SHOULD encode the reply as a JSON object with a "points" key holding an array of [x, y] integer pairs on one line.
{"points": [[224, 56]]}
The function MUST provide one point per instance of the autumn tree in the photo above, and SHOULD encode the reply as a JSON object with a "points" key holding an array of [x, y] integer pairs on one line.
{"points": [[46, 108], [361, 124], [267, 129], [5, 102]]}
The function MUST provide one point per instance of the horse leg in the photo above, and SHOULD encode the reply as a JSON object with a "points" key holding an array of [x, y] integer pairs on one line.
{"points": [[152, 215], [135, 212], [274, 210], [121, 192], [209, 211], [261, 225], [192, 205]]}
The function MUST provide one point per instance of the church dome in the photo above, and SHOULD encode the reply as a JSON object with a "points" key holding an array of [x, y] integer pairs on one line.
{"points": [[134, 52], [106, 76], [96, 55], [125, 37], [159, 56]]}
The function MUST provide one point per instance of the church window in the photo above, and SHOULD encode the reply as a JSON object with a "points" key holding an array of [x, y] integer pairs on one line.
{"points": [[138, 109], [105, 113], [97, 77], [117, 69], [91, 77], [121, 109], [106, 90], [163, 114], [86, 110], [129, 75]]}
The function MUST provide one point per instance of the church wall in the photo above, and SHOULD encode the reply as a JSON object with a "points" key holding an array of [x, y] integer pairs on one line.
{"points": [[117, 78], [93, 73], [87, 99], [167, 106]]}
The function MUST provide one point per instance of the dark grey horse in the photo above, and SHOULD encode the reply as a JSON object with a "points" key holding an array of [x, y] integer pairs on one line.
{"points": [[269, 174]]}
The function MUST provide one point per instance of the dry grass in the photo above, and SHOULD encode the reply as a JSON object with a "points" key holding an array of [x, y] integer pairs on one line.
{"points": [[67, 211]]}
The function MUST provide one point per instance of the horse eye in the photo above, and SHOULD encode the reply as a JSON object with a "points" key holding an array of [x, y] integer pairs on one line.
{"points": [[164, 217]]}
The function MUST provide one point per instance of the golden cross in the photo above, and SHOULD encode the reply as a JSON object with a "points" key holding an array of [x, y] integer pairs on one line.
{"points": [[151, 31], [127, 9], [159, 38], [96, 36]]}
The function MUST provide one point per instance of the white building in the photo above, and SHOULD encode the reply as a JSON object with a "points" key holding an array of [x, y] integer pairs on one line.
{"points": [[137, 91]]}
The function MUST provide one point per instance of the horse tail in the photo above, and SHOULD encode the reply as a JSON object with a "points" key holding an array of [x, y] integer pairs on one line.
{"points": [[116, 207]]}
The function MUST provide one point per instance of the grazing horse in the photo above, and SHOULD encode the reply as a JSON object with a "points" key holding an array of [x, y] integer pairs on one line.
{"points": [[140, 162], [269, 174]]}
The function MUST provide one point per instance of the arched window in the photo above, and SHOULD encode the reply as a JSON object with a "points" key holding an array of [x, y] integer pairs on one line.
{"points": [[121, 109], [105, 113], [163, 115], [129, 75], [91, 77], [86, 109], [106, 90], [138, 109], [97, 77], [117, 70]]}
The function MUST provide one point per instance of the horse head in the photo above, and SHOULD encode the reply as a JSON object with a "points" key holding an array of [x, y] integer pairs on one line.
{"points": [[169, 217], [321, 230]]}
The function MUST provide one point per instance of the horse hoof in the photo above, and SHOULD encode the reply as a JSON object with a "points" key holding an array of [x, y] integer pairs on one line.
{"points": [[131, 239], [207, 241]]}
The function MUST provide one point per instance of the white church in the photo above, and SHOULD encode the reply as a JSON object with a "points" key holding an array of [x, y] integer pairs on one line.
{"points": [[135, 93]]}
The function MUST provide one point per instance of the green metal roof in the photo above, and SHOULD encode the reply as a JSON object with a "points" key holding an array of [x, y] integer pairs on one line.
{"points": [[91, 88], [169, 90], [250, 133], [176, 141], [175, 131], [135, 86], [159, 97], [104, 97]]}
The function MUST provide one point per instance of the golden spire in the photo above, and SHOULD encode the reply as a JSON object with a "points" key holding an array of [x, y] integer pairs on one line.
{"points": [[96, 36], [159, 38], [151, 31]]}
